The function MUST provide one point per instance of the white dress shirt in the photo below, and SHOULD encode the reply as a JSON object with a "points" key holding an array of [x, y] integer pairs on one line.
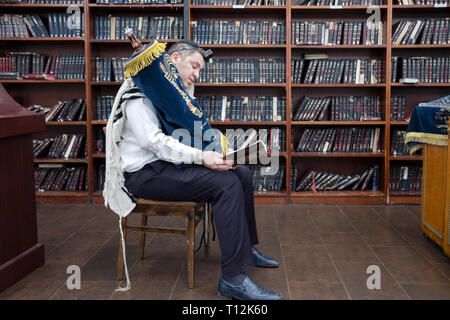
{"points": [[143, 141]]}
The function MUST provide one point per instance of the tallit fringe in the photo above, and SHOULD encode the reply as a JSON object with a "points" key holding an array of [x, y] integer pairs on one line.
{"points": [[144, 59], [128, 286]]}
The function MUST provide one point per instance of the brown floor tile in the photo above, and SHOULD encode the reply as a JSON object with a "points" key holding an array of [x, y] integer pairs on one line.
{"points": [[102, 266], [97, 290], [144, 289], [409, 267], [308, 264], [348, 247], [298, 231], [317, 291], [330, 219], [38, 285], [355, 277], [203, 290], [324, 252], [427, 292], [79, 248]]}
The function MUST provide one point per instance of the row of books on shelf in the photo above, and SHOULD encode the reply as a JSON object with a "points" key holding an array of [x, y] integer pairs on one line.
{"points": [[427, 31], [336, 33], [57, 177], [101, 169], [336, 2], [103, 107], [44, 1], [110, 69], [239, 2], [398, 146], [266, 179], [420, 69], [238, 32], [405, 178], [31, 65], [69, 110], [419, 2], [398, 105], [220, 70], [341, 140], [59, 24], [274, 138], [100, 145], [144, 27], [343, 108], [63, 146], [315, 180], [238, 108], [139, 1], [326, 70]]}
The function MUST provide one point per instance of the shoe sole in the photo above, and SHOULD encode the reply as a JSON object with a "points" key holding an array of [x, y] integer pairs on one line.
{"points": [[226, 297]]}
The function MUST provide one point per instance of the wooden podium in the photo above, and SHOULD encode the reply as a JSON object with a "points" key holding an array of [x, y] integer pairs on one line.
{"points": [[20, 253], [435, 202]]}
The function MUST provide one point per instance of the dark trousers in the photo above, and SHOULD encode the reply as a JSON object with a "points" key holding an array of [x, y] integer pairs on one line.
{"points": [[230, 193]]}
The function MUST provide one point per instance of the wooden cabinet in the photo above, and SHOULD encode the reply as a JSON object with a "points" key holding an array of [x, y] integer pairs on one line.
{"points": [[434, 211], [20, 252]]}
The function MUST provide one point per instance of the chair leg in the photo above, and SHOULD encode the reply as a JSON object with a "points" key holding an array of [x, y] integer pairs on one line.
{"points": [[190, 233], [141, 248], [120, 262], [207, 228]]}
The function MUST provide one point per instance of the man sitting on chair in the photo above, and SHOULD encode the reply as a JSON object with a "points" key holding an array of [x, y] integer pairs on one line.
{"points": [[150, 160]]}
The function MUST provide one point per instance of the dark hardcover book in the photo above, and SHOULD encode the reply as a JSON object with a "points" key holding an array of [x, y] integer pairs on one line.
{"points": [[348, 183], [367, 179]]}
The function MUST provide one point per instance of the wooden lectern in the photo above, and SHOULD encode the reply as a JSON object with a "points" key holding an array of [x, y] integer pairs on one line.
{"points": [[20, 253], [434, 211]]}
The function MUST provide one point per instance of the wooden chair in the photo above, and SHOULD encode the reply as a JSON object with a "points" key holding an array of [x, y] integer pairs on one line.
{"points": [[193, 212]]}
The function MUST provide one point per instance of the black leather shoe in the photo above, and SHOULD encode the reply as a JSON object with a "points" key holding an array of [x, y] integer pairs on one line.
{"points": [[262, 260], [247, 290]]}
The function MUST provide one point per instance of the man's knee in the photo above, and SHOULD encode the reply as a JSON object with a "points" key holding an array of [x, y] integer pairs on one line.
{"points": [[245, 175]]}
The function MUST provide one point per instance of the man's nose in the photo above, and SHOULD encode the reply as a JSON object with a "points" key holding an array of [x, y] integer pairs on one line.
{"points": [[196, 74]]}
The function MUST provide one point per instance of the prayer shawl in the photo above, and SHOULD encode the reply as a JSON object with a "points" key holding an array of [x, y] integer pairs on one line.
{"points": [[156, 76]]}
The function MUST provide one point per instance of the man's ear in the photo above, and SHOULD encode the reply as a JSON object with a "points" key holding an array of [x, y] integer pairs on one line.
{"points": [[176, 57]]}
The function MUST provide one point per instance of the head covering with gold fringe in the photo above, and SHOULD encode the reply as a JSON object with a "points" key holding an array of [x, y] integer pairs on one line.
{"points": [[157, 77]]}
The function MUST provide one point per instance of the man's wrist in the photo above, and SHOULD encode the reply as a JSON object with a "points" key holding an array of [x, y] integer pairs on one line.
{"points": [[198, 158]]}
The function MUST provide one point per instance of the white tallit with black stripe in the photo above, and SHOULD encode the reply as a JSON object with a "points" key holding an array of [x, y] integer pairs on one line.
{"points": [[116, 195]]}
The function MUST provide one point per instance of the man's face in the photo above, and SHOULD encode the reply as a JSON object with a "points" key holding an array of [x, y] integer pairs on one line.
{"points": [[188, 66]]}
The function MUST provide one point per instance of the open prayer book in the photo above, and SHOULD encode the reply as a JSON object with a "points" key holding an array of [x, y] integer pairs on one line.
{"points": [[249, 153]]}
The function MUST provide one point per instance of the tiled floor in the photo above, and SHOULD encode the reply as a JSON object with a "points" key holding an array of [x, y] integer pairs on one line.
{"points": [[324, 253]]}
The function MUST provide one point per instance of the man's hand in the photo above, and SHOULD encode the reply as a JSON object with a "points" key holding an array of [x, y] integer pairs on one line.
{"points": [[215, 161]]}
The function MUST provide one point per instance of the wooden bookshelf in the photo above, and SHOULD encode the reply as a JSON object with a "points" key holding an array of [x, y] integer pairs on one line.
{"points": [[48, 92]]}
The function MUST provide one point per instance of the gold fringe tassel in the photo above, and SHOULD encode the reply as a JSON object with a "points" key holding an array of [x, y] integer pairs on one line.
{"points": [[430, 138], [223, 142], [144, 59]]}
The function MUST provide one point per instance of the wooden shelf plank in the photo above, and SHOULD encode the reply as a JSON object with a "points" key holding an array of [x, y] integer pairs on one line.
{"points": [[420, 46], [61, 194], [50, 160], [136, 5], [338, 123], [253, 85], [421, 84], [248, 123], [66, 123], [40, 39], [337, 85], [336, 155], [329, 7], [339, 46], [337, 194], [42, 81], [406, 158]]}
